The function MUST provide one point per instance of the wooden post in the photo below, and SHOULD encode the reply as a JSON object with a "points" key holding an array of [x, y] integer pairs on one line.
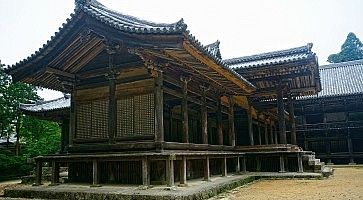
{"points": [[170, 171], [259, 134], [350, 148], [250, 126], [224, 165], [55, 173], [266, 134], [232, 136], [292, 119], [282, 163], [159, 107], [72, 122], [275, 135], [38, 172], [281, 115], [219, 121], [112, 107], [183, 171], [145, 172], [206, 169], [244, 167], [271, 134], [95, 174], [300, 163], [204, 112], [184, 106], [238, 166]]}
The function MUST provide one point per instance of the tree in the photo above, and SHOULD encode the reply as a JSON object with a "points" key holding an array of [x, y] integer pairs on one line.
{"points": [[12, 95], [352, 49]]}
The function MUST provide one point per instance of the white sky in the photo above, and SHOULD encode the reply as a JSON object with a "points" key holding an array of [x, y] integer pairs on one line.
{"points": [[243, 27]]}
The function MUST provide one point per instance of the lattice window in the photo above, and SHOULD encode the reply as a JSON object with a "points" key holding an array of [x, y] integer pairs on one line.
{"points": [[92, 119], [135, 115], [125, 119]]}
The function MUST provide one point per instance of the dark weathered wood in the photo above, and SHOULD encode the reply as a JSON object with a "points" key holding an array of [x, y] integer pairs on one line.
{"points": [[219, 121], [145, 172], [259, 134], [224, 166], [170, 172], [38, 172], [238, 165], [159, 107], [292, 119], [95, 173], [72, 125], [281, 115], [282, 163], [244, 168], [232, 135], [183, 171], [184, 106], [55, 173], [271, 134], [300, 163], [206, 169], [112, 106], [204, 113], [250, 127], [266, 134]]}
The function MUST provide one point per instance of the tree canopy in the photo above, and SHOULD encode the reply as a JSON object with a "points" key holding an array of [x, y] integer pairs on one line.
{"points": [[352, 49]]}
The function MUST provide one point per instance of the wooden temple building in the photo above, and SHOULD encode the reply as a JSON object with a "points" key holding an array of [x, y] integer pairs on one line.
{"points": [[149, 104], [331, 122]]}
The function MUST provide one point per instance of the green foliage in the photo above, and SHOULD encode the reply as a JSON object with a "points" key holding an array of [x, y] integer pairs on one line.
{"points": [[352, 49], [40, 137]]}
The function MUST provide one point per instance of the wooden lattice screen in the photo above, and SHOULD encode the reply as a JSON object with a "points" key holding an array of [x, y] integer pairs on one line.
{"points": [[135, 115], [92, 119]]}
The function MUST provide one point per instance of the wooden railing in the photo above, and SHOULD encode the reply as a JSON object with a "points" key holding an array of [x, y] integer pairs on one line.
{"points": [[333, 125]]}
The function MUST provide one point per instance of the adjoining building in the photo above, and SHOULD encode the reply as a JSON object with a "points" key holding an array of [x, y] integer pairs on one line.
{"points": [[149, 104], [331, 122]]}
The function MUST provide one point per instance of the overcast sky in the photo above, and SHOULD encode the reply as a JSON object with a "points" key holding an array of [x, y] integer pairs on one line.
{"points": [[243, 27]]}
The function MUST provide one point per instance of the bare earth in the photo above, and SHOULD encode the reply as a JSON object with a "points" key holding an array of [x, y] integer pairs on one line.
{"points": [[346, 183]]}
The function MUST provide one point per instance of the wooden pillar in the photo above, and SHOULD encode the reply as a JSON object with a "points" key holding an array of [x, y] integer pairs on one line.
{"points": [[282, 163], [271, 134], [275, 135], [238, 166], [112, 110], [300, 163], [206, 169], [95, 174], [159, 107], [183, 171], [259, 134], [170, 171], [281, 115], [204, 112], [219, 120], [55, 173], [350, 148], [250, 126], [244, 167], [145, 172], [224, 166], [184, 106], [232, 136], [292, 119], [72, 122], [38, 172], [266, 134]]}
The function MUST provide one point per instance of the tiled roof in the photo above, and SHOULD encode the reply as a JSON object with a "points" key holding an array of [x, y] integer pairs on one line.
{"points": [[126, 22], [341, 78], [272, 58], [52, 105], [214, 49], [114, 19]]}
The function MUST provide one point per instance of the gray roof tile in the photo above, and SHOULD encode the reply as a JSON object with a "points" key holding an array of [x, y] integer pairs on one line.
{"points": [[41, 106], [271, 58]]}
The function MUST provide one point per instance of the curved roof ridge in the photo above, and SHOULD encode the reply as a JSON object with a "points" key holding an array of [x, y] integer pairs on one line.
{"points": [[279, 53]]}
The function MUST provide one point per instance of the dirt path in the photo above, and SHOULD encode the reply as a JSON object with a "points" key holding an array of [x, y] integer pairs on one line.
{"points": [[346, 183], [8, 184]]}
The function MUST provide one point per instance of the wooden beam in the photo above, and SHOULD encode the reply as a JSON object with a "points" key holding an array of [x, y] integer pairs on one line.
{"points": [[231, 128], [281, 116], [159, 107], [184, 106]]}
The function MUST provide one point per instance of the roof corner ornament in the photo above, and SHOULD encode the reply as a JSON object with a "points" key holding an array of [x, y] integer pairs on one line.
{"points": [[81, 3]]}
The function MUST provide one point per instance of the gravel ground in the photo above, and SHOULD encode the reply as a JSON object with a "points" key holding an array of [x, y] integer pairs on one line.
{"points": [[346, 183]]}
